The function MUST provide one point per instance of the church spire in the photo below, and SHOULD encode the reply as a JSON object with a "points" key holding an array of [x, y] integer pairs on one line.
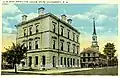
{"points": [[94, 37], [94, 30]]}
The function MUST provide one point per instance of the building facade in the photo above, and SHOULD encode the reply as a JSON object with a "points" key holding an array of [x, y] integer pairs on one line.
{"points": [[52, 42], [89, 57]]}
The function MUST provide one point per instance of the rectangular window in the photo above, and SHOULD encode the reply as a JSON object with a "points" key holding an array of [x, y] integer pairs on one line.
{"points": [[30, 30], [54, 63], [83, 54], [88, 59], [73, 61], [73, 48], [61, 60], [77, 38], [36, 60], [68, 47], [30, 45], [54, 28], [43, 61], [77, 49], [88, 54], [94, 59], [84, 60], [73, 36], [77, 62], [30, 61], [61, 45], [61, 31], [68, 62], [37, 29], [68, 33], [53, 44], [36, 44], [24, 32], [65, 61], [94, 54]]}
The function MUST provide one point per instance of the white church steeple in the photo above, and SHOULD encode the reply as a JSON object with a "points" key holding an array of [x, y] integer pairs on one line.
{"points": [[94, 37]]}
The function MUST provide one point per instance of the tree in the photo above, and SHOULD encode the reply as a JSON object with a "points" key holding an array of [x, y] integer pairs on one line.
{"points": [[109, 51], [15, 54]]}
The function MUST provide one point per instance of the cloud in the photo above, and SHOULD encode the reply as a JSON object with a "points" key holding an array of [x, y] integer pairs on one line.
{"points": [[104, 9], [8, 21], [80, 16], [101, 19], [99, 28], [14, 18], [9, 30], [10, 9], [31, 15]]}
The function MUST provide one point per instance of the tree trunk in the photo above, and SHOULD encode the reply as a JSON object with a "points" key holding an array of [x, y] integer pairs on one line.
{"points": [[15, 68]]}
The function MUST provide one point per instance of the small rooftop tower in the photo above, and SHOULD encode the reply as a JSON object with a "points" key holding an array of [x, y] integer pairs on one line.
{"points": [[41, 10], [24, 18]]}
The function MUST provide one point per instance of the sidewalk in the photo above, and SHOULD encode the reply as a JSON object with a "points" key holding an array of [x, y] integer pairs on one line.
{"points": [[50, 71]]}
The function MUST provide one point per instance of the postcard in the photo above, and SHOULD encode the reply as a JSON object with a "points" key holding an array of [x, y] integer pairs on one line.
{"points": [[59, 38]]}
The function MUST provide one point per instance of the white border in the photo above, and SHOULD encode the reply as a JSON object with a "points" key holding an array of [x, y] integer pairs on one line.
{"points": [[69, 2]]}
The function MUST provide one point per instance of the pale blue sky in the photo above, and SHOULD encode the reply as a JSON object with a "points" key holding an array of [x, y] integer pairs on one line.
{"points": [[81, 14]]}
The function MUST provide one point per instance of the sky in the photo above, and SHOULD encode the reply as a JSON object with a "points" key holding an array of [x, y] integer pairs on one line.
{"points": [[106, 16]]}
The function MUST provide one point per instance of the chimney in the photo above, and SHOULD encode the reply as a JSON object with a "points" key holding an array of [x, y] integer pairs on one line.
{"points": [[24, 18], [41, 10], [69, 21], [63, 17]]}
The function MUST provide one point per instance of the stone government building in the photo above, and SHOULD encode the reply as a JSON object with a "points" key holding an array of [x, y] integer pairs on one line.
{"points": [[52, 42]]}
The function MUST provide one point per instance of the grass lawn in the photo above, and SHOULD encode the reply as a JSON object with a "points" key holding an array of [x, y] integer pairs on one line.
{"points": [[104, 71]]}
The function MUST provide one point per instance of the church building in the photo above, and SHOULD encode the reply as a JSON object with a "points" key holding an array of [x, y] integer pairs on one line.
{"points": [[91, 56]]}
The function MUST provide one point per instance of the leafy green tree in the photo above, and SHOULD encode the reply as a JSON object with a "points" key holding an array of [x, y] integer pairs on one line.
{"points": [[4, 55], [109, 51], [15, 54]]}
